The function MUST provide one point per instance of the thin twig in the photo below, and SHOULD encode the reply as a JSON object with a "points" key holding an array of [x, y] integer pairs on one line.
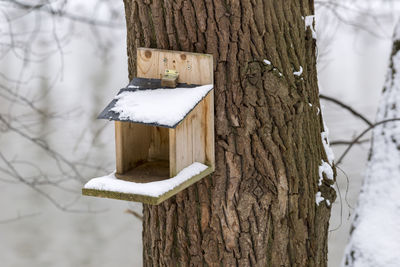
{"points": [[134, 213], [344, 142], [356, 140], [61, 13], [18, 217], [341, 208], [343, 105]]}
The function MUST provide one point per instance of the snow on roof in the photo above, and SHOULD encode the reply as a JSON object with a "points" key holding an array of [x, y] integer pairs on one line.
{"points": [[153, 189], [151, 104]]}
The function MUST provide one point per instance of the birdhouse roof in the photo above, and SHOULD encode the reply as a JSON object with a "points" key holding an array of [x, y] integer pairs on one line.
{"points": [[145, 101]]}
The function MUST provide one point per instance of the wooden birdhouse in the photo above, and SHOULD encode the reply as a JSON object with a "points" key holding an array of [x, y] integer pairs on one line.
{"points": [[164, 135]]}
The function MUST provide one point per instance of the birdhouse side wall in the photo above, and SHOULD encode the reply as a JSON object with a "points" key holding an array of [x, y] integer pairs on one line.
{"points": [[193, 139]]}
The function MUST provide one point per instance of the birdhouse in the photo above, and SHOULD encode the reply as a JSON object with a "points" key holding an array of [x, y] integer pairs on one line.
{"points": [[164, 128]]}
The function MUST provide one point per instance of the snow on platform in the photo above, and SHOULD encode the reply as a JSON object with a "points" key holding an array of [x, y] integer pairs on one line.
{"points": [[152, 189]]}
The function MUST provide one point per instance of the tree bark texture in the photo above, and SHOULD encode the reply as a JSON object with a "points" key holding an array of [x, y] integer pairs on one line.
{"points": [[259, 207], [375, 233]]}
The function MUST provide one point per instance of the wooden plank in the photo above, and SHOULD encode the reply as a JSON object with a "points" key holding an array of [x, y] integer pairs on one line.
{"points": [[198, 134], [208, 114], [187, 140], [193, 68], [193, 138], [159, 144], [185, 185], [172, 153], [147, 199], [132, 141]]}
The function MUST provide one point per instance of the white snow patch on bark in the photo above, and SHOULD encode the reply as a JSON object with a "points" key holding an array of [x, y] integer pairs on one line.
{"points": [[326, 169], [319, 198], [267, 62], [327, 147], [298, 73], [309, 22]]}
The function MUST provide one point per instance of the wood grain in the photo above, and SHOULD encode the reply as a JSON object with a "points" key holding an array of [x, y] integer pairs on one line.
{"points": [[193, 139], [138, 143], [132, 141], [193, 68], [149, 171]]}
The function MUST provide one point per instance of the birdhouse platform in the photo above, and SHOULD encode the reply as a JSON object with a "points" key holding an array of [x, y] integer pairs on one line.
{"points": [[164, 136]]}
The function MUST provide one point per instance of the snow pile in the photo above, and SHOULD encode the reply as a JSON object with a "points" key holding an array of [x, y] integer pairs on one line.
{"points": [[309, 22], [298, 73], [319, 198], [153, 189], [375, 240], [267, 62], [327, 147], [159, 106], [326, 169]]}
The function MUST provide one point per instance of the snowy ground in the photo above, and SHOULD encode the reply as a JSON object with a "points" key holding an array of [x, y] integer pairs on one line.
{"points": [[352, 69]]}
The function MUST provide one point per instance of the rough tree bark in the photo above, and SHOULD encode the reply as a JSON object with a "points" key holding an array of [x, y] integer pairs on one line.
{"points": [[375, 233], [259, 207]]}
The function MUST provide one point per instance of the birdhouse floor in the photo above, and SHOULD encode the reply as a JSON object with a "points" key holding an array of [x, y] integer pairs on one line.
{"points": [[149, 192], [150, 171]]}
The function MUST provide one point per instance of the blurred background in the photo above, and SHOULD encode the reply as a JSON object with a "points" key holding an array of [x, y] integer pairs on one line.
{"points": [[60, 64]]}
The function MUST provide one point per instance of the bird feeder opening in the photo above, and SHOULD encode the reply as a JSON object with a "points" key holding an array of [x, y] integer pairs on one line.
{"points": [[142, 152]]}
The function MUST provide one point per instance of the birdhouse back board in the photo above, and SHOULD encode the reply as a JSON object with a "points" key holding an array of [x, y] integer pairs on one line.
{"points": [[193, 68]]}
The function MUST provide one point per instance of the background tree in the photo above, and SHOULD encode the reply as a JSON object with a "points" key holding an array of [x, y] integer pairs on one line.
{"points": [[33, 44], [265, 204], [375, 231]]}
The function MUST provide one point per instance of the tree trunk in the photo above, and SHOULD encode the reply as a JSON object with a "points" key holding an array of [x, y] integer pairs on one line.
{"points": [[375, 233], [259, 207]]}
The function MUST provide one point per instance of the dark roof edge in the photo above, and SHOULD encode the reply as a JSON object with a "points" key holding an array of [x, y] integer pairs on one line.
{"points": [[108, 114]]}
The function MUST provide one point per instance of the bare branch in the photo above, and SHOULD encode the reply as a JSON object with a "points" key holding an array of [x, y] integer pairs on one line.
{"points": [[344, 142], [134, 213], [18, 217], [357, 139], [343, 105], [46, 7]]}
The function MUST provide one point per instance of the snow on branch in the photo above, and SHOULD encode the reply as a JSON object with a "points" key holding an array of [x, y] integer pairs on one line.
{"points": [[374, 240]]}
